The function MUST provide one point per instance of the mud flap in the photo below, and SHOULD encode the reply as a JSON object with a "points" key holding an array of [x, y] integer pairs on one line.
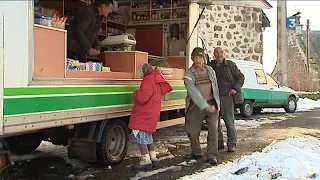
{"points": [[82, 149], [5, 160]]}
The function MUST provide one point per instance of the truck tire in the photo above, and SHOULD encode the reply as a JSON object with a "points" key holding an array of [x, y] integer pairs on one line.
{"points": [[23, 144], [114, 143], [291, 106], [247, 108]]}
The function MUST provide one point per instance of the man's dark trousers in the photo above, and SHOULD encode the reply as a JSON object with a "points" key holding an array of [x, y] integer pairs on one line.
{"points": [[227, 114]]}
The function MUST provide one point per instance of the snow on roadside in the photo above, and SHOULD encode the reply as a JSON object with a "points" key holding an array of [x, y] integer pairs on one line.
{"points": [[303, 104], [307, 104], [293, 158]]}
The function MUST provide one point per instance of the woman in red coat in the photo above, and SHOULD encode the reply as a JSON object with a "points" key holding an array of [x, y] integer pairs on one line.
{"points": [[146, 112]]}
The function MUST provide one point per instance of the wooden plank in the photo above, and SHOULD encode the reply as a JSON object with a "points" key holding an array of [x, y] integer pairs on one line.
{"points": [[172, 122]]}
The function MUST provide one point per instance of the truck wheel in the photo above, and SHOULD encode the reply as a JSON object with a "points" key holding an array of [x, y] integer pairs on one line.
{"points": [[247, 108], [23, 144], [291, 105], [114, 143]]}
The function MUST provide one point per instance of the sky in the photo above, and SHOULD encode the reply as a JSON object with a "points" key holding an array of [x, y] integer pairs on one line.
{"points": [[309, 10]]}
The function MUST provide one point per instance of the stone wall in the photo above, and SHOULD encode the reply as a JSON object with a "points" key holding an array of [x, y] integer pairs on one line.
{"points": [[237, 29], [314, 45], [299, 78]]}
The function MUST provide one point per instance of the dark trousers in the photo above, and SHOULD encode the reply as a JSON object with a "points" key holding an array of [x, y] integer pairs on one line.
{"points": [[227, 114], [194, 119], [76, 56]]}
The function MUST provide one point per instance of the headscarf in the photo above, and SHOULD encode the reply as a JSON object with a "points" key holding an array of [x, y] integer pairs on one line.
{"points": [[144, 69]]}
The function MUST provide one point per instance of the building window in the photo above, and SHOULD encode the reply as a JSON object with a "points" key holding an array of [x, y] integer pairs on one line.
{"points": [[261, 77]]}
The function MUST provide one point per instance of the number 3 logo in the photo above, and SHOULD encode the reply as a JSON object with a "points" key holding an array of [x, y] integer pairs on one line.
{"points": [[292, 23]]}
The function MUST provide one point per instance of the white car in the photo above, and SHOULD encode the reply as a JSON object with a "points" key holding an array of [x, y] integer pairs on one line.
{"points": [[260, 90]]}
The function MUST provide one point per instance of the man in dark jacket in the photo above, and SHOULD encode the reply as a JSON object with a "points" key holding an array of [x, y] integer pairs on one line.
{"points": [[230, 81], [84, 30]]}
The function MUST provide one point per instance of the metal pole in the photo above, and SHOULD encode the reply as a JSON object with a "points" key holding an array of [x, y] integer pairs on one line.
{"points": [[279, 69], [308, 46], [282, 42]]}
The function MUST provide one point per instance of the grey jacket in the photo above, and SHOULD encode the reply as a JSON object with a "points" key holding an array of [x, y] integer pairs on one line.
{"points": [[236, 78], [194, 95]]}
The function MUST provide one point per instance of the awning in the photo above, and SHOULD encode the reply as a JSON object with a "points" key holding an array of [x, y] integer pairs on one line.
{"points": [[262, 4]]}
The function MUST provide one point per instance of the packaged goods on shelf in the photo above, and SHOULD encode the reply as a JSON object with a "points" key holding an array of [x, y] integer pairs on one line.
{"points": [[73, 64], [93, 66], [82, 66], [88, 66], [58, 22], [51, 21], [96, 66], [105, 69]]}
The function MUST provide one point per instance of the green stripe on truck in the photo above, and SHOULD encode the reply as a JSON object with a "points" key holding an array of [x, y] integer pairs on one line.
{"points": [[72, 90], [16, 106]]}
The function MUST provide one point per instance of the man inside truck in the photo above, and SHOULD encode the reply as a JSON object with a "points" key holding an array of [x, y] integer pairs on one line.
{"points": [[84, 30]]}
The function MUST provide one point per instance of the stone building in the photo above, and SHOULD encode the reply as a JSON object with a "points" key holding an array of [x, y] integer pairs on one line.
{"points": [[299, 78], [238, 29]]}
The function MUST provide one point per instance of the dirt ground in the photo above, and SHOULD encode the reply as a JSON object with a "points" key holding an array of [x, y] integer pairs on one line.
{"points": [[173, 145]]}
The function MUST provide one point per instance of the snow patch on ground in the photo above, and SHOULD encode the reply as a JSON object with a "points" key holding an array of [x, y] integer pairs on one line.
{"points": [[141, 175], [304, 104], [46, 149], [243, 124], [293, 158]]}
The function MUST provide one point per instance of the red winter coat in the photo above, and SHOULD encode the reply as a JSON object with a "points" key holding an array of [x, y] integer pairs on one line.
{"points": [[148, 99]]}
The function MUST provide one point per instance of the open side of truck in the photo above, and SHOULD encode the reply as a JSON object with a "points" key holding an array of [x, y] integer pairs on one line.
{"points": [[89, 115]]}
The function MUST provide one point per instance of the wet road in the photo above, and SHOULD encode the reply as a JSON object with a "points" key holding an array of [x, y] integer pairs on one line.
{"points": [[51, 162]]}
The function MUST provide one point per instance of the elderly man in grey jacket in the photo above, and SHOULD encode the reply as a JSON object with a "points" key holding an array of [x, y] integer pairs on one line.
{"points": [[202, 102], [230, 81]]}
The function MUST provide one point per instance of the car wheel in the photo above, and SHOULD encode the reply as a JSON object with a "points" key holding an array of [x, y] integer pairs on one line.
{"points": [[247, 108], [291, 106], [114, 143]]}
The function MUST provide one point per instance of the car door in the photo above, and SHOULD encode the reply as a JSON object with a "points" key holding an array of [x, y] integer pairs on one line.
{"points": [[277, 94]]}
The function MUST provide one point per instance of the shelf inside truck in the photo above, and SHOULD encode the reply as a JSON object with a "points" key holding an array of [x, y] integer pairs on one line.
{"points": [[98, 75]]}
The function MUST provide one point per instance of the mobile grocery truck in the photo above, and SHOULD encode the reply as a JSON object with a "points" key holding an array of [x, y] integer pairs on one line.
{"points": [[44, 96]]}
